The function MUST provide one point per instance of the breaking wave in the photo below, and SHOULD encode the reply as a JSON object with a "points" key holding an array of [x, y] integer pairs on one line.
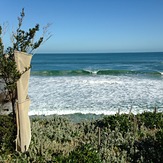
{"points": [[93, 72]]}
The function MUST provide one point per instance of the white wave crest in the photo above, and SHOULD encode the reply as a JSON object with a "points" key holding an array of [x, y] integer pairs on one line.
{"points": [[93, 94]]}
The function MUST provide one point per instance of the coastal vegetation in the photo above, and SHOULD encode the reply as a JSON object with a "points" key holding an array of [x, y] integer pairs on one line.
{"points": [[11, 70], [22, 41], [113, 138]]}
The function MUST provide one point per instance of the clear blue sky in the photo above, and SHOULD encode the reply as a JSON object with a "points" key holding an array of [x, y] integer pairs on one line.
{"points": [[91, 25]]}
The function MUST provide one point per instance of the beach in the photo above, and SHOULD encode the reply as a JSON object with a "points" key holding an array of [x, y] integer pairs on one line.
{"points": [[92, 108]]}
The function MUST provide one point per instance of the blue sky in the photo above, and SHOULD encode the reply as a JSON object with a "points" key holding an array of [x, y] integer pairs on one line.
{"points": [[91, 25]]}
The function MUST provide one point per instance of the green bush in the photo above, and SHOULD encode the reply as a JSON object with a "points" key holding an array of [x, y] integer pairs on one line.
{"points": [[150, 149], [117, 138], [83, 154], [123, 121], [151, 120], [7, 134]]}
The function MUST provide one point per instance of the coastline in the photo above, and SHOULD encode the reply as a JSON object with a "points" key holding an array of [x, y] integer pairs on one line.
{"points": [[75, 118], [80, 117]]}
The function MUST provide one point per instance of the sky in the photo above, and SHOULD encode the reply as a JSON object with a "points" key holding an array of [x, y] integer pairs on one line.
{"points": [[90, 25]]}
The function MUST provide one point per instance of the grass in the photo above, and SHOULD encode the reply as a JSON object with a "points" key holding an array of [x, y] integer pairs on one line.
{"points": [[114, 138]]}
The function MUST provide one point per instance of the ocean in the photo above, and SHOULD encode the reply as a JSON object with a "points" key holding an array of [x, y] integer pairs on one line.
{"points": [[96, 83]]}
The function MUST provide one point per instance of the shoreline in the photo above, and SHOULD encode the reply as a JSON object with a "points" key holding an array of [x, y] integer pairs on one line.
{"points": [[104, 112], [80, 117], [75, 118]]}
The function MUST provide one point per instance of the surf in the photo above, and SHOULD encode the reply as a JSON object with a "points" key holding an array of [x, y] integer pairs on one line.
{"points": [[93, 72]]}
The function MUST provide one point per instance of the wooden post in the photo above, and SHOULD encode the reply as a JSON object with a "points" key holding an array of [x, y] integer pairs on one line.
{"points": [[119, 110], [155, 110], [99, 137]]}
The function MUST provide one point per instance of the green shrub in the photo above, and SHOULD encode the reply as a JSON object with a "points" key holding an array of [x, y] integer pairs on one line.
{"points": [[7, 134], [83, 154], [150, 120], [150, 149], [123, 121], [117, 138]]}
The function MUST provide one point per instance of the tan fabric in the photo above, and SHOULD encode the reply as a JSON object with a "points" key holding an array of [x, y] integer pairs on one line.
{"points": [[23, 61], [23, 126], [22, 107]]}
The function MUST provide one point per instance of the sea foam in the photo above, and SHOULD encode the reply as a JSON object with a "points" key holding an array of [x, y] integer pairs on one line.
{"points": [[94, 94]]}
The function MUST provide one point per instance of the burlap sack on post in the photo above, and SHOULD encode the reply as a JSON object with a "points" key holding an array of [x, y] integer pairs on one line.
{"points": [[22, 106]]}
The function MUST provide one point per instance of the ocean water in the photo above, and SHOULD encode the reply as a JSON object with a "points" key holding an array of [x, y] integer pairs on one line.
{"points": [[97, 83]]}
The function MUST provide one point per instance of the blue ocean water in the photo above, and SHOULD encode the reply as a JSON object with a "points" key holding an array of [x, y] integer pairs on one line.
{"points": [[100, 83]]}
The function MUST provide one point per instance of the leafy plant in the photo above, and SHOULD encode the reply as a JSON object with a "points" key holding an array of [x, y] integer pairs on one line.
{"points": [[57, 139], [22, 41], [151, 120], [7, 132], [124, 122], [1, 43], [83, 154]]}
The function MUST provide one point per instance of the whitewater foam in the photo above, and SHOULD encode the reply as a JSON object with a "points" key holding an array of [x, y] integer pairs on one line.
{"points": [[94, 94]]}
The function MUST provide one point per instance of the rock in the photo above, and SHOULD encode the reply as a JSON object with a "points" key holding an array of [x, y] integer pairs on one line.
{"points": [[5, 106]]}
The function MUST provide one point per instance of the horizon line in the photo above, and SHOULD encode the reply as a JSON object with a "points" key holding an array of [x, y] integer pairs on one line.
{"points": [[96, 52]]}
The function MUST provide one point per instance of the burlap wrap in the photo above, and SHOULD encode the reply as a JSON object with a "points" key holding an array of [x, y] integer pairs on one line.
{"points": [[22, 106]]}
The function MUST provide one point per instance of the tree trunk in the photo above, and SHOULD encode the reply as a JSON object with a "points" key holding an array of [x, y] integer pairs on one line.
{"points": [[13, 109]]}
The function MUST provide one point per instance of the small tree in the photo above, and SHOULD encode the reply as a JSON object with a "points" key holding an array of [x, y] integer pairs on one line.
{"points": [[21, 41]]}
